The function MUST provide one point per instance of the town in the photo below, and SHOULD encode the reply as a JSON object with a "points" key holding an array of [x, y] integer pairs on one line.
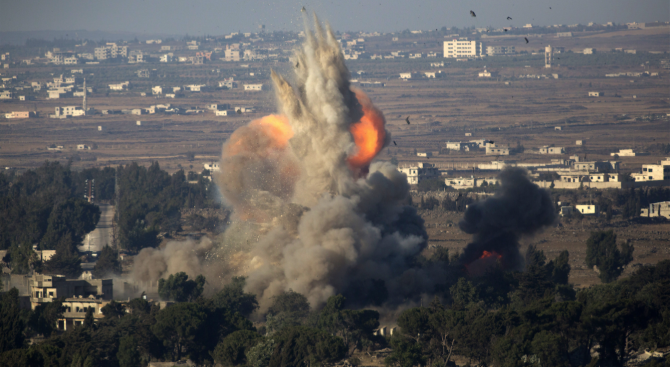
{"points": [[116, 201]]}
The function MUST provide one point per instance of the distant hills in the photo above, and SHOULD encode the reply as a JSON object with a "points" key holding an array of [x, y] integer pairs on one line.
{"points": [[19, 38]]}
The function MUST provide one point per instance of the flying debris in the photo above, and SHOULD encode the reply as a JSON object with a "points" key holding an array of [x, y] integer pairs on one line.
{"points": [[472, 13], [509, 18], [303, 9], [407, 119], [505, 29], [526, 38], [550, 8], [394, 143]]}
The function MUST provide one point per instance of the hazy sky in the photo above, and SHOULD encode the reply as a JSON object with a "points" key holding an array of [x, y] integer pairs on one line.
{"points": [[216, 17]]}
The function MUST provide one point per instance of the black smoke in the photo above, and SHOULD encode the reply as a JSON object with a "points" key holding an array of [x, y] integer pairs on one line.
{"points": [[519, 208]]}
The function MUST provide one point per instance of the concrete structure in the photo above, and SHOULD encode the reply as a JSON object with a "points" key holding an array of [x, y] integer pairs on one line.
{"points": [[419, 172], [485, 74], [494, 150], [589, 51], [110, 51], [500, 50], [63, 112], [253, 87], [424, 154], [471, 182], [20, 115], [548, 56], [624, 153], [80, 295], [552, 150], [462, 48], [231, 55], [588, 209], [579, 142], [653, 172], [563, 34], [596, 94], [565, 210], [660, 209], [212, 167], [157, 90], [465, 146], [83, 147], [119, 86], [224, 112]]}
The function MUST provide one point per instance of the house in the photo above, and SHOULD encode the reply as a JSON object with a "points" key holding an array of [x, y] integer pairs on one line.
{"points": [[424, 154], [485, 74], [119, 86], [624, 153], [430, 74], [20, 115], [157, 90], [79, 296], [465, 146], [212, 167], [494, 150], [589, 51], [471, 182], [253, 87], [228, 83], [653, 172], [63, 112], [596, 94], [83, 147], [558, 128], [468, 134], [565, 210], [166, 57], [405, 76], [660, 209], [5, 94], [419, 172], [137, 111], [579, 142], [552, 150], [500, 50], [224, 112], [588, 209]]}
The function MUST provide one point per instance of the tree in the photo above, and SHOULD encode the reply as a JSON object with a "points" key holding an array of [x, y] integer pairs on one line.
{"points": [[128, 355], [406, 353], [178, 288], [300, 345], [11, 322], [107, 264], [113, 310], [64, 262], [232, 350], [178, 327], [288, 308], [232, 297], [602, 251], [45, 316]]}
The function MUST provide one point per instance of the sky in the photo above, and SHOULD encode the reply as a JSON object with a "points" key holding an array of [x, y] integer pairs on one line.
{"points": [[218, 17]]}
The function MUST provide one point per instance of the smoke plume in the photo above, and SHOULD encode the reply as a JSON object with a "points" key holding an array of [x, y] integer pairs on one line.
{"points": [[152, 264], [519, 208], [312, 211]]}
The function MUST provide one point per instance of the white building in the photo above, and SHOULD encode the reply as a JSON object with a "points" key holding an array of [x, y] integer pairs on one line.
{"points": [[212, 167], [157, 90], [495, 150], [224, 112], [587, 209], [424, 154], [419, 172], [485, 74], [406, 76], [500, 50], [589, 51], [469, 182], [596, 94], [465, 146], [119, 86], [253, 87], [660, 209], [462, 48], [83, 147], [653, 172], [74, 111], [552, 150], [624, 153]]}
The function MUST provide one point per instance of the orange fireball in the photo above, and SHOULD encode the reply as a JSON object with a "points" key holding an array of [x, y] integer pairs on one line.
{"points": [[369, 133]]}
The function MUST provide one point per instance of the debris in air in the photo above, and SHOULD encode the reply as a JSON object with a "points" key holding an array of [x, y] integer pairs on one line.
{"points": [[509, 18], [394, 143], [407, 119], [303, 9], [526, 38], [472, 13], [505, 29]]}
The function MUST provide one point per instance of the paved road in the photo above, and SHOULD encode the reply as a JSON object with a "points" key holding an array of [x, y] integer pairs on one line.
{"points": [[102, 234]]}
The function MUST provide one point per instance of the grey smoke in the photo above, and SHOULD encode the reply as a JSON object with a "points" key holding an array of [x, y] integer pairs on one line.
{"points": [[519, 208], [339, 230]]}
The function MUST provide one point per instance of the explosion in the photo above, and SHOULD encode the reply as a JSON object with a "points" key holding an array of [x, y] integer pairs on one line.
{"points": [[312, 211], [519, 208]]}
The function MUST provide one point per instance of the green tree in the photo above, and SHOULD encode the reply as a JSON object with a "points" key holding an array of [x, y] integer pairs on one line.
{"points": [[113, 310], [178, 327], [178, 288], [406, 353], [107, 264], [43, 319], [12, 322], [602, 251], [232, 297], [233, 349], [288, 308], [64, 262], [128, 355], [300, 345]]}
